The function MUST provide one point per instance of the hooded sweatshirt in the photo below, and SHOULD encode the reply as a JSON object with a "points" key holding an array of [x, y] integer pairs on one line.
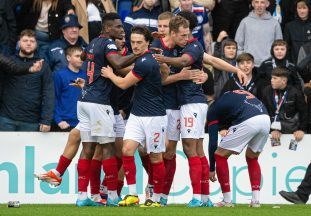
{"points": [[297, 33], [255, 35]]}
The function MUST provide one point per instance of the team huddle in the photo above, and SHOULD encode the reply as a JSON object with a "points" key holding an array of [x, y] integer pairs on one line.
{"points": [[167, 105]]}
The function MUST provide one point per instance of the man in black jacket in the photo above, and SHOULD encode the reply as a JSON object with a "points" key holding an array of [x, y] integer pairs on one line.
{"points": [[28, 100], [286, 106]]}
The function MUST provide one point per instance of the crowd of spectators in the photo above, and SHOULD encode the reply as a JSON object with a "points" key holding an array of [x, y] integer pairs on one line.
{"points": [[269, 40]]}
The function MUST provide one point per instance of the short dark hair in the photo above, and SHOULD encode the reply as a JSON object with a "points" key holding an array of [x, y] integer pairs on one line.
{"points": [[28, 33], [229, 42], [245, 57], [178, 21], [191, 17], [143, 30], [72, 48], [110, 17], [281, 72]]}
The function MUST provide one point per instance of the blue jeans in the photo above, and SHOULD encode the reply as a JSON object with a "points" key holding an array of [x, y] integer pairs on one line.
{"points": [[43, 43], [7, 124]]}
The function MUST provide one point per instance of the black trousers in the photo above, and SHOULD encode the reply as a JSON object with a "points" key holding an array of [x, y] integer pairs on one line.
{"points": [[304, 189]]}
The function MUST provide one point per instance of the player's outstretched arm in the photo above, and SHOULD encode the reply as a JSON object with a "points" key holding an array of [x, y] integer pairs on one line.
{"points": [[121, 82], [224, 66], [118, 62], [180, 62]]}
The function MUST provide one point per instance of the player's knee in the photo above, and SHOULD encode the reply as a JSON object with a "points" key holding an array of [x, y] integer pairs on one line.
{"points": [[251, 155], [74, 136], [156, 157], [127, 151], [87, 152], [108, 151], [169, 155]]}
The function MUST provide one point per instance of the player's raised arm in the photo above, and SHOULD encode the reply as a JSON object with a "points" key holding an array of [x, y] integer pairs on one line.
{"points": [[224, 66]]}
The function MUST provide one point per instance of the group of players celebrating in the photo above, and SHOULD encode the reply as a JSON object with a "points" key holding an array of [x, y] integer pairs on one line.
{"points": [[168, 104]]}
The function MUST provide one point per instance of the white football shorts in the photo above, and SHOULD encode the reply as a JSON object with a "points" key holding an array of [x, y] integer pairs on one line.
{"points": [[148, 131], [253, 133]]}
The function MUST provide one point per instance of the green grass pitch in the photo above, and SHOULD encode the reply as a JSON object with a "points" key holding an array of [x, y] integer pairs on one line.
{"points": [[67, 210]]}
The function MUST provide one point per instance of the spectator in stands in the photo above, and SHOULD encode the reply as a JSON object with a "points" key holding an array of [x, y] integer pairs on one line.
{"points": [[146, 16], [56, 53], [202, 30], [304, 66], [279, 59], [245, 62], [286, 106], [282, 10], [301, 195], [28, 100], [227, 16], [90, 13], [226, 49], [66, 95], [257, 32], [43, 16], [7, 25], [298, 31], [209, 4]]}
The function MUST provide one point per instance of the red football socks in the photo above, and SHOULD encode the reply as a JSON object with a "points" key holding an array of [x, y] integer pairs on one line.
{"points": [[83, 174], [62, 165], [129, 169], [110, 167], [170, 168], [195, 171], [205, 176], [158, 176], [222, 171], [95, 170], [254, 173]]}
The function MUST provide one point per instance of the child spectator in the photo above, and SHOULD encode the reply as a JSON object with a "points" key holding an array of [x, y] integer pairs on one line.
{"points": [[245, 62], [286, 106], [66, 96], [225, 49], [257, 32], [279, 59]]}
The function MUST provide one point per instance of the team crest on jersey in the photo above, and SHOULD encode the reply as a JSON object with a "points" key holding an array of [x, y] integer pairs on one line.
{"points": [[195, 115], [112, 46], [188, 130], [61, 51], [200, 19], [143, 59]]}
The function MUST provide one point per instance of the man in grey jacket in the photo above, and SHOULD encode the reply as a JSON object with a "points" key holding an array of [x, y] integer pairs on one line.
{"points": [[257, 32]]}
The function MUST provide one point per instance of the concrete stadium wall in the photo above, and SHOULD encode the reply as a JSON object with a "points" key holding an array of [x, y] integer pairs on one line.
{"points": [[23, 154]]}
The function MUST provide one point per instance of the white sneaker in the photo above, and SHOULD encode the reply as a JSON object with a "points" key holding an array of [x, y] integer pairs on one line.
{"points": [[254, 204], [223, 204]]}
